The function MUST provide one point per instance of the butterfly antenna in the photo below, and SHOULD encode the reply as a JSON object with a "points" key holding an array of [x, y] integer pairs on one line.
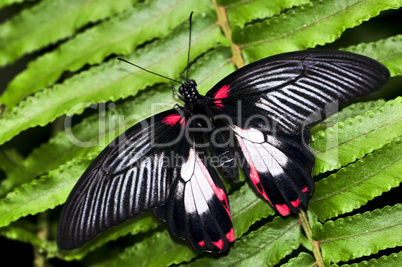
{"points": [[189, 45], [173, 80]]}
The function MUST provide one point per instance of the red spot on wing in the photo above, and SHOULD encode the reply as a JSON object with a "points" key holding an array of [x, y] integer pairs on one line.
{"points": [[173, 119], [305, 189], [254, 177], [223, 92], [219, 244], [283, 209], [230, 236], [201, 243], [295, 203], [219, 192]]}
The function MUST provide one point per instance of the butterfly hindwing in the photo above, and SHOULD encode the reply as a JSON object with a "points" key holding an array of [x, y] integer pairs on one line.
{"points": [[132, 174], [198, 208], [279, 166]]}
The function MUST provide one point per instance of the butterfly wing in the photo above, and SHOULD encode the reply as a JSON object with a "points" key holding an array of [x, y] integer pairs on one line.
{"points": [[134, 173], [279, 166], [272, 101], [297, 89], [198, 209]]}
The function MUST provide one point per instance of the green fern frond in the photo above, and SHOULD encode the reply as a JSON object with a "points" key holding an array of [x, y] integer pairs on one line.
{"points": [[309, 25], [119, 35], [361, 234], [112, 80], [72, 74], [353, 186], [387, 51], [355, 137], [243, 12], [50, 21], [394, 259], [303, 259]]}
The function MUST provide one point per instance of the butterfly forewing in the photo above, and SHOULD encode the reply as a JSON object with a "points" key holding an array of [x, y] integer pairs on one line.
{"points": [[133, 174], [293, 90]]}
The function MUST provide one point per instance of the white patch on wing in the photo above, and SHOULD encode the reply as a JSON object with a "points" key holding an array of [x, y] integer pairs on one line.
{"points": [[278, 115], [265, 157], [198, 196], [198, 190], [255, 135], [187, 169], [189, 199]]}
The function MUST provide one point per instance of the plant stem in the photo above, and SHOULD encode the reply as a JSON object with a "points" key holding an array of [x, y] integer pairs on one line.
{"points": [[224, 24], [307, 230], [43, 226]]}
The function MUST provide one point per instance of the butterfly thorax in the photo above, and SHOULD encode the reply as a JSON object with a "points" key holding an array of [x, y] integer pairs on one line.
{"points": [[194, 102], [189, 91]]}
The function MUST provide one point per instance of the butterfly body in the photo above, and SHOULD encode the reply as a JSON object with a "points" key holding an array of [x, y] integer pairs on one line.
{"points": [[255, 119]]}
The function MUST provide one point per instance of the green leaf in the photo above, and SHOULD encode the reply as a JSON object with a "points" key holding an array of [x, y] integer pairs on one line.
{"points": [[10, 2], [348, 112], [303, 259], [112, 80], [353, 186], [262, 247], [50, 21], [245, 11], [119, 35], [355, 137], [25, 232], [157, 250], [312, 24], [246, 208], [394, 259], [42, 194], [361, 234], [387, 51]]}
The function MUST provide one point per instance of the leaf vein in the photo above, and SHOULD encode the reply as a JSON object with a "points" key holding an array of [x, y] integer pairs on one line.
{"points": [[356, 183], [99, 45], [267, 244], [359, 234], [358, 136], [305, 26]]}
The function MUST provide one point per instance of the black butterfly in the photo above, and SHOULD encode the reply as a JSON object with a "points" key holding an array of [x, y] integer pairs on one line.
{"points": [[255, 119]]}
